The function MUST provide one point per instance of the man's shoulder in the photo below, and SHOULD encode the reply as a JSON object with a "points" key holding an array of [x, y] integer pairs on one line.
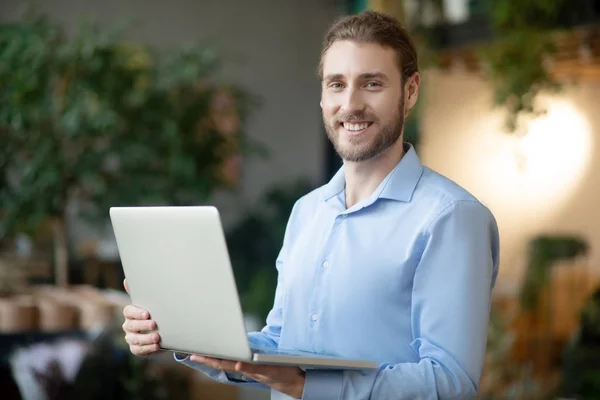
{"points": [[441, 191]]}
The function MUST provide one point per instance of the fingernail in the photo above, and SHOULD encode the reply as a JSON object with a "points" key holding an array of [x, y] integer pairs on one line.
{"points": [[197, 358], [144, 315]]}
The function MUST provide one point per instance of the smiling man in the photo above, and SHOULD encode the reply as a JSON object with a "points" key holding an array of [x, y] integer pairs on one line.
{"points": [[389, 261]]}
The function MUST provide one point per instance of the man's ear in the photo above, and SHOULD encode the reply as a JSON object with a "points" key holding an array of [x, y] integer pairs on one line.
{"points": [[412, 90], [321, 103]]}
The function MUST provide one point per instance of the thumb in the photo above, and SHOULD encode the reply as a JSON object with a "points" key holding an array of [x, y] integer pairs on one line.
{"points": [[126, 286]]}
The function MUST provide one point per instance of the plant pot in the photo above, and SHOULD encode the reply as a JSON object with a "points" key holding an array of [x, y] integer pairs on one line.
{"points": [[93, 312], [18, 314], [56, 316]]}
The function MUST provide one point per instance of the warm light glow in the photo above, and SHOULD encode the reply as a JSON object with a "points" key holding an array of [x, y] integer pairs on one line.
{"points": [[556, 151], [541, 183], [533, 175]]}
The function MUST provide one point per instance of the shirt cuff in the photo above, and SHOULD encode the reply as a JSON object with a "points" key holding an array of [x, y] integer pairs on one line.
{"points": [[323, 385], [180, 356]]}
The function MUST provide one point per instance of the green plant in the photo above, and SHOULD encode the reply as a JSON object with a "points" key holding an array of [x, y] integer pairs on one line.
{"points": [[12, 277], [110, 123], [581, 367], [544, 251], [504, 378], [517, 56]]}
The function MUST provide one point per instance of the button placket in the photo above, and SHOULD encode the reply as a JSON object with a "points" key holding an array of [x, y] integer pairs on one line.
{"points": [[325, 264]]}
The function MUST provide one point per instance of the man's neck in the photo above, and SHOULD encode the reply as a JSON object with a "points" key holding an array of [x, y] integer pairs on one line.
{"points": [[362, 178]]}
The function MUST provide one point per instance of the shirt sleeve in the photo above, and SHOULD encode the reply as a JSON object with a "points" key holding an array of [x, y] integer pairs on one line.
{"points": [[450, 315], [268, 336]]}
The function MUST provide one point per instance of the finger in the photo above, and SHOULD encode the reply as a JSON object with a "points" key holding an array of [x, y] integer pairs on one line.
{"points": [[139, 339], [203, 359], [133, 312], [135, 326], [126, 286], [223, 365], [144, 350], [248, 368], [259, 373]]}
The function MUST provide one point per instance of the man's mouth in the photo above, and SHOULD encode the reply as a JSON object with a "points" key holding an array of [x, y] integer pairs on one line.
{"points": [[355, 128]]}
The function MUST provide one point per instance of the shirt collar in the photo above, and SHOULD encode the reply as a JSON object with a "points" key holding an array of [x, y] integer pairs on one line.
{"points": [[398, 185]]}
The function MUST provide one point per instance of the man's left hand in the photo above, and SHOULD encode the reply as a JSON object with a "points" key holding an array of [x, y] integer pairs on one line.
{"points": [[287, 380]]}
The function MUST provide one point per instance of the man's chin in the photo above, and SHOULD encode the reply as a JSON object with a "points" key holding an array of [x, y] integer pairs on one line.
{"points": [[354, 155]]}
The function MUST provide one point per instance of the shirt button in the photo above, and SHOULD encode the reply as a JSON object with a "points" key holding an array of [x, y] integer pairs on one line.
{"points": [[315, 317], [325, 264]]}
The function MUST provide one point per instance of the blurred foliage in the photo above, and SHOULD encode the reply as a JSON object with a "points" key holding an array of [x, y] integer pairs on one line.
{"points": [[109, 121], [517, 58], [418, 20], [507, 378], [254, 244], [544, 251], [581, 367], [503, 378], [12, 277]]}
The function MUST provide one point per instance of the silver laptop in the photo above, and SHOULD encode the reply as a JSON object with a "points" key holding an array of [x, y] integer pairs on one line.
{"points": [[178, 268]]}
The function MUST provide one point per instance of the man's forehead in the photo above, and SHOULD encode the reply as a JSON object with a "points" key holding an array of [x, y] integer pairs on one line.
{"points": [[351, 59]]}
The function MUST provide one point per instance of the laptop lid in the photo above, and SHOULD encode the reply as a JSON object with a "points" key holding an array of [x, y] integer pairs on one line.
{"points": [[177, 266]]}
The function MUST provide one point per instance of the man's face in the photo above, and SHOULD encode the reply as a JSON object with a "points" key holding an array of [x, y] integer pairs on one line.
{"points": [[362, 99]]}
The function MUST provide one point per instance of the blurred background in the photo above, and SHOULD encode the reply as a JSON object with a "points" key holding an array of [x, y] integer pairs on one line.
{"points": [[217, 102]]}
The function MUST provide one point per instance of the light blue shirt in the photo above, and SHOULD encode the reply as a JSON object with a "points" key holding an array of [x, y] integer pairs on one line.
{"points": [[403, 278]]}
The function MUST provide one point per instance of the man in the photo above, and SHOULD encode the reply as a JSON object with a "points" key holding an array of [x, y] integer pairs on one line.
{"points": [[389, 261]]}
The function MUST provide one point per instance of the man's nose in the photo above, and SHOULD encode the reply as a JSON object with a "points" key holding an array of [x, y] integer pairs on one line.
{"points": [[352, 101]]}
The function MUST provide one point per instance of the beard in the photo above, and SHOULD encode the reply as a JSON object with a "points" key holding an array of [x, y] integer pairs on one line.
{"points": [[356, 149]]}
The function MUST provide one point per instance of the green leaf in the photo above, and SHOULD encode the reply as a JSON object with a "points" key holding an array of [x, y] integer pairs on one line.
{"points": [[112, 120]]}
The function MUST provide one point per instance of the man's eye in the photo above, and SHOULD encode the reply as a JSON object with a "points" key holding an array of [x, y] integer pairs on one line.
{"points": [[335, 86], [373, 84]]}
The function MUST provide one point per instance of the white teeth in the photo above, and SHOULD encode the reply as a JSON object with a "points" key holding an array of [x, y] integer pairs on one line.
{"points": [[356, 127]]}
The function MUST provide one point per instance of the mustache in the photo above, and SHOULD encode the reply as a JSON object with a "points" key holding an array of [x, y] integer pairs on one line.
{"points": [[355, 116]]}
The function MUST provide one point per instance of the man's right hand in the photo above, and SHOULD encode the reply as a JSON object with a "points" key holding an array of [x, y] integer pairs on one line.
{"points": [[138, 329]]}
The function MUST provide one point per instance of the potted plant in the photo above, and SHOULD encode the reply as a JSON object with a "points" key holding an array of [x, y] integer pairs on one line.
{"points": [[108, 122]]}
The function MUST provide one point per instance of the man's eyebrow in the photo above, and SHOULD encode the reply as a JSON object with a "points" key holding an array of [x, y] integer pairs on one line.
{"points": [[333, 77], [374, 75], [363, 76]]}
